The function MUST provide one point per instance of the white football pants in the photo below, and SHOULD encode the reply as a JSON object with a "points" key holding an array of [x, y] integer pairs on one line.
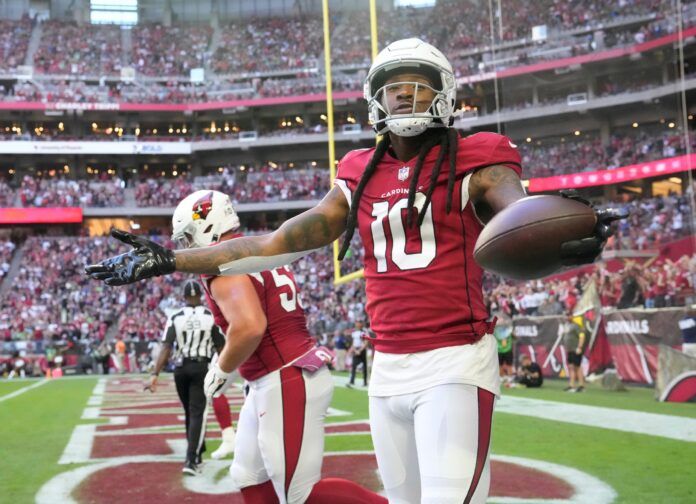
{"points": [[280, 433], [432, 446]]}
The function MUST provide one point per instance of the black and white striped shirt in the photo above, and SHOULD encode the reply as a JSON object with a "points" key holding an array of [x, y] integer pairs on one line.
{"points": [[194, 331]]}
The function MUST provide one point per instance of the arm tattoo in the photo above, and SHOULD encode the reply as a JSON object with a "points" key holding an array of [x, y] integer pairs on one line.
{"points": [[206, 260], [312, 229], [496, 186], [317, 227]]}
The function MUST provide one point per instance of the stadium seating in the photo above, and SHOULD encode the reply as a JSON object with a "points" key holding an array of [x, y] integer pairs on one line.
{"points": [[272, 44], [59, 192], [7, 248], [69, 48], [542, 157], [40, 307], [254, 186], [169, 50], [14, 42]]}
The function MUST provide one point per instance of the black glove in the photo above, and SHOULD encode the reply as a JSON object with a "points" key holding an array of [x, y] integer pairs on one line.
{"points": [[586, 250], [145, 260]]}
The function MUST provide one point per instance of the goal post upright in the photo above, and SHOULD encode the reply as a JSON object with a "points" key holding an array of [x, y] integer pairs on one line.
{"points": [[339, 278]]}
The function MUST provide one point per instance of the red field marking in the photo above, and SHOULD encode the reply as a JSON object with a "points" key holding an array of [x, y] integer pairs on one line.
{"points": [[361, 427], [522, 482], [135, 480], [144, 482], [162, 482], [133, 445]]}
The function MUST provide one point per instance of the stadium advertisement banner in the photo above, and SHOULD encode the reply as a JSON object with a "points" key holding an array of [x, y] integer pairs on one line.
{"points": [[540, 338], [616, 176], [64, 215], [94, 147], [631, 338], [635, 335]]}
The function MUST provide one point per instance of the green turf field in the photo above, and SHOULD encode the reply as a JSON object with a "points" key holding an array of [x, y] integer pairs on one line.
{"points": [[37, 425]]}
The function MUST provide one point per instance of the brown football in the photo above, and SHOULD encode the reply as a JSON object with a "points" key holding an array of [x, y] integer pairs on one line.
{"points": [[523, 241]]}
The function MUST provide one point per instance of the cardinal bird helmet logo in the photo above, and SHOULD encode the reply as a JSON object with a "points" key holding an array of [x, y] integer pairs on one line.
{"points": [[203, 206]]}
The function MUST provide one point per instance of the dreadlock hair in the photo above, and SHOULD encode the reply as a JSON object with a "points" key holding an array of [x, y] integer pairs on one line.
{"points": [[447, 139]]}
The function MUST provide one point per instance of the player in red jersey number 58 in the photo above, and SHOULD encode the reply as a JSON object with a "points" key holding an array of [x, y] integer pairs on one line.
{"points": [[419, 200]]}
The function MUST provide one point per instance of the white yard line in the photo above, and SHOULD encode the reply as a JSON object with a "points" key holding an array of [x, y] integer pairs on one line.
{"points": [[651, 424], [23, 390]]}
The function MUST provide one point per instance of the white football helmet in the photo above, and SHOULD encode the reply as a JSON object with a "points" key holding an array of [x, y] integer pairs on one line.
{"points": [[420, 57], [202, 218]]}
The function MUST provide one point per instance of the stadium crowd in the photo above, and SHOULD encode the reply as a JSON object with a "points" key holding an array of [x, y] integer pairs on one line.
{"points": [[52, 304], [14, 42], [586, 152], [160, 51], [7, 195], [281, 56], [663, 283], [79, 49], [272, 44], [248, 185], [282, 182], [61, 192], [7, 248]]}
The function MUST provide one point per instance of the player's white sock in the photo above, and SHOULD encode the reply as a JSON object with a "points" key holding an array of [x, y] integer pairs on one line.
{"points": [[227, 446]]}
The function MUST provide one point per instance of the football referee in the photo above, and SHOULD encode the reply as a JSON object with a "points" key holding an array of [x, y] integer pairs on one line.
{"points": [[193, 331]]}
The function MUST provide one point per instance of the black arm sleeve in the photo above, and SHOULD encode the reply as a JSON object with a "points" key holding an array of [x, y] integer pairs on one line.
{"points": [[218, 338]]}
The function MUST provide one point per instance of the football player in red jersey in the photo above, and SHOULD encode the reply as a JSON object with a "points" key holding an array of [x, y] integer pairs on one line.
{"points": [[279, 446], [434, 375]]}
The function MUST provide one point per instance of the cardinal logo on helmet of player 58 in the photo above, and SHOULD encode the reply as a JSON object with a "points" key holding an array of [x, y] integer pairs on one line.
{"points": [[203, 206]]}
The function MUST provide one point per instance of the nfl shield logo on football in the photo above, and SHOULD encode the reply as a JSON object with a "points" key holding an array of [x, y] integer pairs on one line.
{"points": [[403, 173]]}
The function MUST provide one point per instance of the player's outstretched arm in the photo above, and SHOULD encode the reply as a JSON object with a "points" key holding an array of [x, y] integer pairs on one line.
{"points": [[315, 228], [312, 229], [493, 188]]}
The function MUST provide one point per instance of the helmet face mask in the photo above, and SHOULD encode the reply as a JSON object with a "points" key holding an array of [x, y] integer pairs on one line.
{"points": [[410, 122], [201, 218], [411, 56]]}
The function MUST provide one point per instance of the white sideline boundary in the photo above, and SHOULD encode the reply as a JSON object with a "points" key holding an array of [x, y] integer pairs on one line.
{"points": [[638, 422], [23, 390]]}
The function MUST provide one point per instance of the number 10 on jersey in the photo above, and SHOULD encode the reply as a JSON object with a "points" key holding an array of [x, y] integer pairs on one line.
{"points": [[394, 217]]}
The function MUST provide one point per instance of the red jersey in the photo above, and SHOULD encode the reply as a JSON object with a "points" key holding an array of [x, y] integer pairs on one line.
{"points": [[286, 337], [423, 286]]}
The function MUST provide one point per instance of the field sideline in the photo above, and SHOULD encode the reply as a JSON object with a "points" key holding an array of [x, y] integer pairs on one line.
{"points": [[39, 422]]}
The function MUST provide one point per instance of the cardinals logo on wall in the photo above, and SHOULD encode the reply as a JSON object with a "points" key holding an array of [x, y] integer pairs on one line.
{"points": [[203, 206]]}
